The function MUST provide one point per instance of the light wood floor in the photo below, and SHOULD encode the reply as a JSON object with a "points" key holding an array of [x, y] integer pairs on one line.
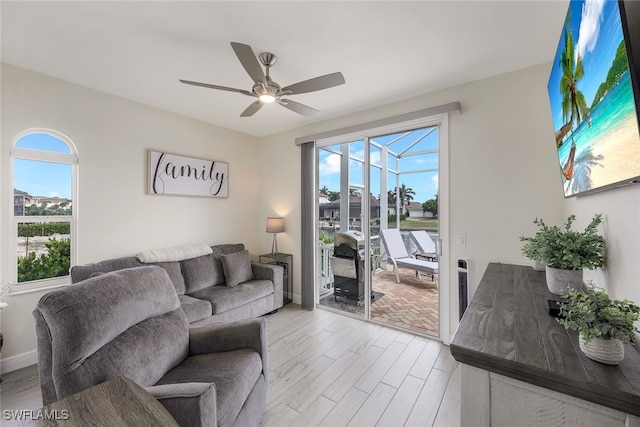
{"points": [[331, 370]]}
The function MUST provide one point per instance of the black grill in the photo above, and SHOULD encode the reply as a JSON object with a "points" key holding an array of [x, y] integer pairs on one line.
{"points": [[347, 264]]}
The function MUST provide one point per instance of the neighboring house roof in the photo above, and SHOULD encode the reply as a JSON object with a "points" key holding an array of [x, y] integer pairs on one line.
{"points": [[55, 200], [29, 199], [415, 206]]}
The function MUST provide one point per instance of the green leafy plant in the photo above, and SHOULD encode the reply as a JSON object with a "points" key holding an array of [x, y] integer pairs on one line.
{"points": [[593, 314], [55, 263], [325, 238], [565, 248], [533, 246]]}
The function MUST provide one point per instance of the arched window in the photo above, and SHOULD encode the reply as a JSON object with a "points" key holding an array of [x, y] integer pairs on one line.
{"points": [[45, 181]]}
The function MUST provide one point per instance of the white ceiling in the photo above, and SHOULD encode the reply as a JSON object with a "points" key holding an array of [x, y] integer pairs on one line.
{"points": [[387, 51]]}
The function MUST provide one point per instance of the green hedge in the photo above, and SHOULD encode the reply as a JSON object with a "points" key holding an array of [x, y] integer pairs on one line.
{"points": [[55, 263], [27, 229]]}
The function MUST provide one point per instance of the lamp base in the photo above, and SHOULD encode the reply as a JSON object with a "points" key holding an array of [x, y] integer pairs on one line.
{"points": [[274, 245]]}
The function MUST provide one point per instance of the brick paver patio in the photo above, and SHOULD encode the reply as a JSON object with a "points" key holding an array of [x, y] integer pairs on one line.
{"points": [[410, 304]]}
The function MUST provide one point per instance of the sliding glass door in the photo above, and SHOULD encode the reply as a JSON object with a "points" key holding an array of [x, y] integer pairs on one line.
{"points": [[379, 181], [340, 281], [404, 172]]}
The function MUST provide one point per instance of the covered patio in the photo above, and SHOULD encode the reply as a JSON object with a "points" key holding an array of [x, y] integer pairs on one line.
{"points": [[411, 304]]}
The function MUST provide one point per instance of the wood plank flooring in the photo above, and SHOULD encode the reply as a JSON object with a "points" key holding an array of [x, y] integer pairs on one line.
{"points": [[331, 370]]}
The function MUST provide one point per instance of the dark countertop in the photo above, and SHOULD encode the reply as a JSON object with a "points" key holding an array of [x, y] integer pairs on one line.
{"points": [[507, 330]]}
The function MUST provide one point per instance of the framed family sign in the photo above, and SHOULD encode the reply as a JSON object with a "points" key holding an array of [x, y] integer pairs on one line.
{"points": [[171, 174]]}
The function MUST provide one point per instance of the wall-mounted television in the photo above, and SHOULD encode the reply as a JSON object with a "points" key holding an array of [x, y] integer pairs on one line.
{"points": [[595, 97]]}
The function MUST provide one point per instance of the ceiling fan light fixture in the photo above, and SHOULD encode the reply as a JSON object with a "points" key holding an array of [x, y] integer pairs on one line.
{"points": [[266, 93], [267, 98]]}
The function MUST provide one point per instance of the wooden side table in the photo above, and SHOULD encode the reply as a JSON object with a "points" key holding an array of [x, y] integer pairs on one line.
{"points": [[117, 402], [286, 261]]}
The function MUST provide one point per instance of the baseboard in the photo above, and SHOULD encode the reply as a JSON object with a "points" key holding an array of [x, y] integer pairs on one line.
{"points": [[18, 361]]}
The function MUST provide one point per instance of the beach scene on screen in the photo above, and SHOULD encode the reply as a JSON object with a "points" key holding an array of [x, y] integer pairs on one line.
{"points": [[592, 100]]}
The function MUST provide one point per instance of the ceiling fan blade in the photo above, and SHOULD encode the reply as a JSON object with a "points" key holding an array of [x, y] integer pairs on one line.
{"points": [[210, 86], [317, 83], [252, 109], [249, 61], [298, 108]]}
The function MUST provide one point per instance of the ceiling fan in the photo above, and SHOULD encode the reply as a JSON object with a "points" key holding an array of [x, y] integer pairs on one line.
{"points": [[268, 91]]}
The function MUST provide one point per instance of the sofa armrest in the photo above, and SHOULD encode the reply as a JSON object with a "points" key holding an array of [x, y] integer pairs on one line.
{"points": [[45, 358], [275, 273], [251, 334], [190, 404]]}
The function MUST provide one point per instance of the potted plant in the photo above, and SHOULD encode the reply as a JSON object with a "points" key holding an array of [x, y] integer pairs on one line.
{"points": [[567, 252], [604, 325], [532, 249]]}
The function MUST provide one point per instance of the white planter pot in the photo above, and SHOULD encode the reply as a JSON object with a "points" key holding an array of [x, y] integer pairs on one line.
{"points": [[558, 280], [537, 265], [609, 351]]}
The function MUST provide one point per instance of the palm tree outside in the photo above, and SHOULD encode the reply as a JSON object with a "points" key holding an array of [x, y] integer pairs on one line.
{"points": [[405, 194], [406, 197]]}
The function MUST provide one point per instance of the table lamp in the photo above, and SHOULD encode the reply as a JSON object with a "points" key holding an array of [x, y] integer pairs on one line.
{"points": [[275, 226]]}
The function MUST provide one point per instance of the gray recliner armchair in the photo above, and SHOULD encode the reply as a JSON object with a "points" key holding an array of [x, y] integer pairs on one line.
{"points": [[129, 323]]}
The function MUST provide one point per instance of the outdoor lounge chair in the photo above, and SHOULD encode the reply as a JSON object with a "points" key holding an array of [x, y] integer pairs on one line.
{"points": [[426, 246], [396, 251]]}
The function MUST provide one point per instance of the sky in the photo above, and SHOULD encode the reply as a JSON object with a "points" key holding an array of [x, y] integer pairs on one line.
{"points": [[597, 32], [424, 184], [42, 178]]}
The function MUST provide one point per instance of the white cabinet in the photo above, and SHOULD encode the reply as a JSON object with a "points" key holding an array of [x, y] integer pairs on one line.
{"points": [[490, 399]]}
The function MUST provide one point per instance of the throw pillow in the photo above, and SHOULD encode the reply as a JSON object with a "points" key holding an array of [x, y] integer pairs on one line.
{"points": [[202, 272], [237, 267]]}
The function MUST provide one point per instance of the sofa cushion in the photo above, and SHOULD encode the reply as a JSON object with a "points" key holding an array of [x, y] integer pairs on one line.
{"points": [[174, 271], [237, 267], [203, 271], [83, 272], [195, 309], [229, 248], [234, 373], [223, 298]]}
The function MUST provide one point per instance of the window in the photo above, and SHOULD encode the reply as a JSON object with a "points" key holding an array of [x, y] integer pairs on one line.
{"points": [[44, 172]]}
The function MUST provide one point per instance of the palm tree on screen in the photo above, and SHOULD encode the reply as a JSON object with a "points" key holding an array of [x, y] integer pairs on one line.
{"points": [[574, 105]]}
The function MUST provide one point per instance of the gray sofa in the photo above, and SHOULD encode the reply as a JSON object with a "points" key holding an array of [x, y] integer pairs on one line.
{"points": [[201, 283], [103, 328]]}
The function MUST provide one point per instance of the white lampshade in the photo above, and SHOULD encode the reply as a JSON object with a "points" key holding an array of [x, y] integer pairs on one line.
{"points": [[275, 225]]}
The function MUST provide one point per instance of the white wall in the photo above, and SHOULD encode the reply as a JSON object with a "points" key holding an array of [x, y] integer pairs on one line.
{"points": [[503, 171], [621, 228], [117, 217]]}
